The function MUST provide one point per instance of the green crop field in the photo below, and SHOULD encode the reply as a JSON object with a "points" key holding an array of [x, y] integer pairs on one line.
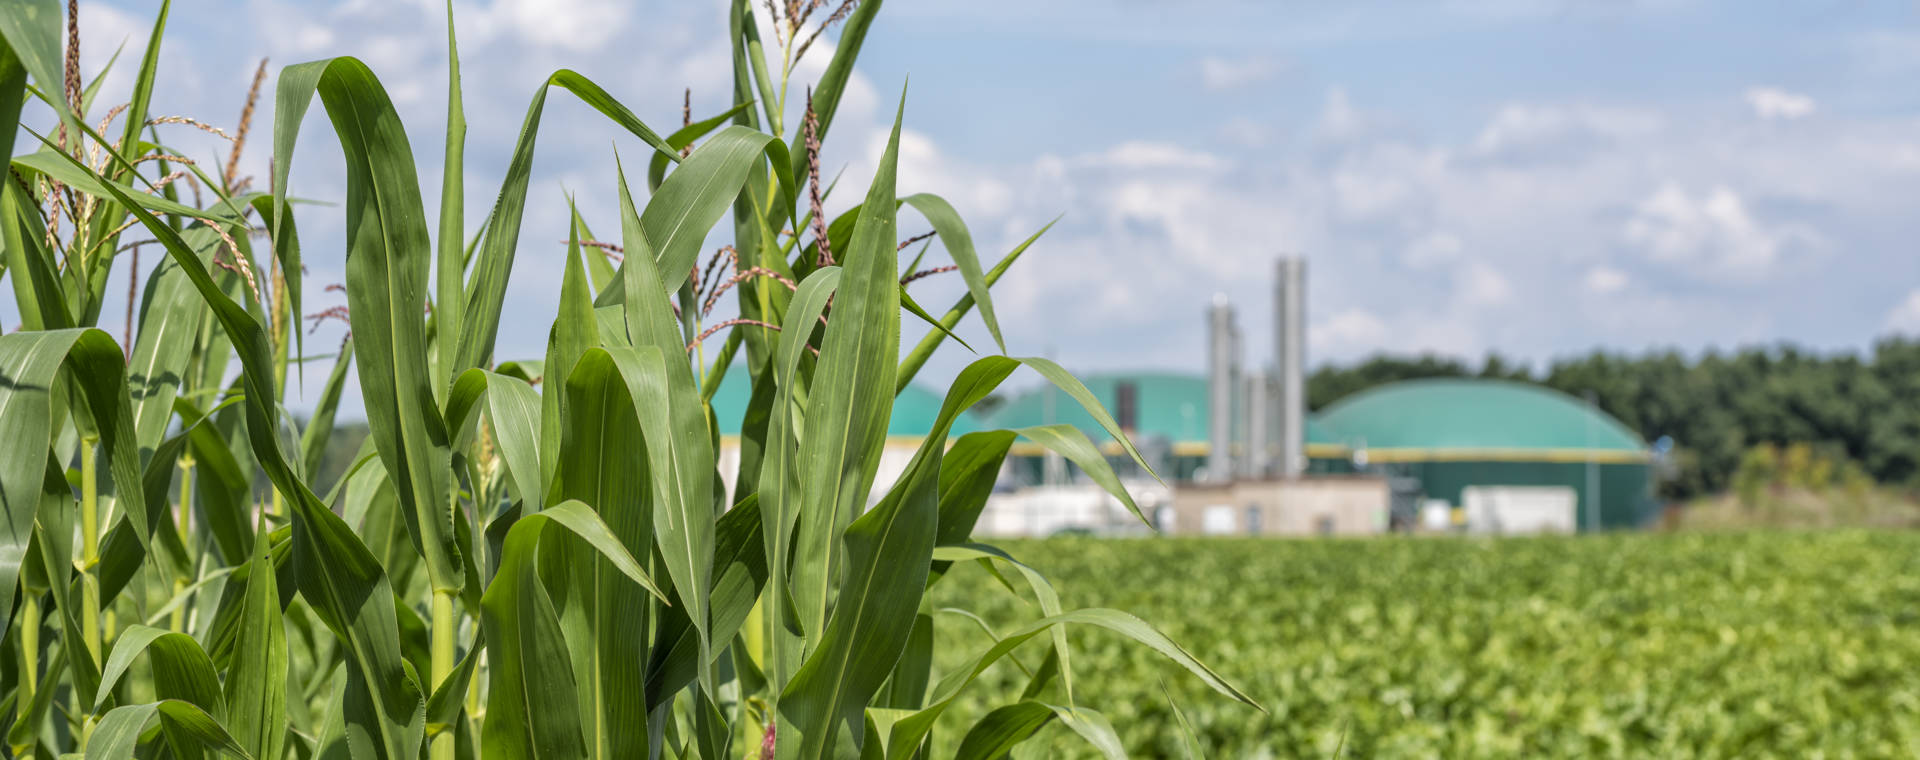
{"points": [[1642, 645]]}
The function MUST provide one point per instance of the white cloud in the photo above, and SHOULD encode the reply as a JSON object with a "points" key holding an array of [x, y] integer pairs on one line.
{"points": [[1522, 128], [1248, 133], [1773, 103], [1339, 119], [1483, 286], [1434, 248], [1905, 317], [1147, 154], [1218, 73], [572, 25], [1348, 329], [1713, 233], [1605, 280]]}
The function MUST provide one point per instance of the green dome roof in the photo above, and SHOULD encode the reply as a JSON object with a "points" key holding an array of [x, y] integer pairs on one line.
{"points": [[1475, 419], [914, 410]]}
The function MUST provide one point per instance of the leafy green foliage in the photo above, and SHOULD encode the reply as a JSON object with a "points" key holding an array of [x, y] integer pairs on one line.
{"points": [[1630, 645], [528, 558]]}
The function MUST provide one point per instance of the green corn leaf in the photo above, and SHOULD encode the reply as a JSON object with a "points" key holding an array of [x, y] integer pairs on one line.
{"points": [[1094, 728], [599, 260], [534, 711], [135, 119], [966, 480], [694, 197], [679, 444], [887, 561], [388, 262], [602, 465], [513, 407], [873, 622], [833, 81], [221, 486], [58, 166], [1069, 442], [313, 441], [911, 730], [189, 728], [749, 52], [181, 669], [959, 244], [170, 319], [1065, 381], [487, 286], [1190, 740], [337, 575], [450, 266], [444, 707], [739, 573], [1003, 729], [256, 687], [847, 413], [31, 361], [37, 293], [1043, 593], [922, 351], [684, 136], [31, 29], [913, 308], [575, 330], [583, 522], [779, 491], [906, 687]]}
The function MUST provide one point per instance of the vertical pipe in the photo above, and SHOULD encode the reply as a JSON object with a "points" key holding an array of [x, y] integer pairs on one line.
{"points": [[1290, 360], [1221, 364], [1593, 470], [1254, 453]]}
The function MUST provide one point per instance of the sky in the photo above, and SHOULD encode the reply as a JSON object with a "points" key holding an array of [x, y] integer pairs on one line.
{"points": [[1538, 179]]}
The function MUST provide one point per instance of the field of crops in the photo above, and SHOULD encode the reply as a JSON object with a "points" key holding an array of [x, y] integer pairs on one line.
{"points": [[1650, 645]]}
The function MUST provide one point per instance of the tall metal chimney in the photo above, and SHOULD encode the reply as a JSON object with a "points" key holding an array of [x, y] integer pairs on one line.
{"points": [[1290, 359], [1255, 455], [1223, 369]]}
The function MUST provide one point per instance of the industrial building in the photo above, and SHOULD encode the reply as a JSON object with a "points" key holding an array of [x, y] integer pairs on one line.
{"points": [[1238, 453], [1242, 455], [1512, 457]]}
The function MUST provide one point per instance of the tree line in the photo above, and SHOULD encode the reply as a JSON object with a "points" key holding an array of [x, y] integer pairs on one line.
{"points": [[1716, 406]]}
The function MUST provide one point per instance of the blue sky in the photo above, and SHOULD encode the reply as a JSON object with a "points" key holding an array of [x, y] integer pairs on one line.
{"points": [[1536, 178]]}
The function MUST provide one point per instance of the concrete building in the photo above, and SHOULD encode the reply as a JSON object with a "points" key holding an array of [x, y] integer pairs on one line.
{"points": [[1339, 505]]}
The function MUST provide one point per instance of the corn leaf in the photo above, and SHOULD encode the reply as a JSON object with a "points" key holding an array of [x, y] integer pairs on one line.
{"points": [[388, 262], [846, 422], [487, 286], [256, 685], [959, 244]]}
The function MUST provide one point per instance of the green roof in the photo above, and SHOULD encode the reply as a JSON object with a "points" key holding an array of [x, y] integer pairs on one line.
{"points": [[914, 410], [1463, 415], [1169, 404]]}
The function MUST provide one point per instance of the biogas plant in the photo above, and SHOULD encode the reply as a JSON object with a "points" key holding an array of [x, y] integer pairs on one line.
{"points": [[1241, 454]]}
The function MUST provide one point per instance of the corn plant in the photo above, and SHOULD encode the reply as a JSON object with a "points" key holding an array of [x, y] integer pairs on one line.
{"points": [[534, 557]]}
